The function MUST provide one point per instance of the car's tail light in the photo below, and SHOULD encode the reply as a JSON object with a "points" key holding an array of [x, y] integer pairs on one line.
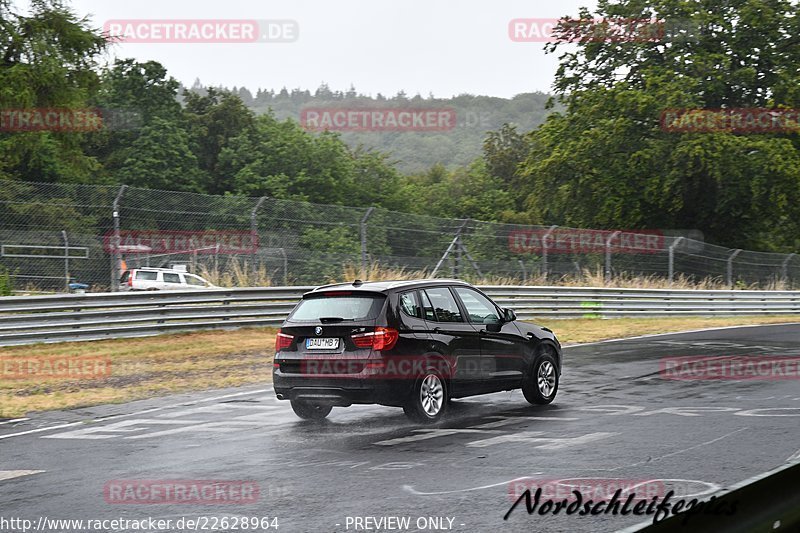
{"points": [[282, 340], [380, 339], [130, 279]]}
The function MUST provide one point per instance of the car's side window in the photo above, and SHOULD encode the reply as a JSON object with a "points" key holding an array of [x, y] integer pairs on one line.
{"points": [[410, 305], [479, 309], [444, 305], [427, 307], [169, 277], [146, 275]]}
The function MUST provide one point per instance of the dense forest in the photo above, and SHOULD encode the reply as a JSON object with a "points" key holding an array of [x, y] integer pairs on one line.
{"points": [[409, 151], [600, 158]]}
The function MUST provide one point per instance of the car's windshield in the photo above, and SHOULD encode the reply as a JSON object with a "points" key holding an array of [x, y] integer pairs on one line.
{"points": [[194, 280]]}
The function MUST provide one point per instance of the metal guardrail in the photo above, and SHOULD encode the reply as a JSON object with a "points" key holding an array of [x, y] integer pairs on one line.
{"points": [[571, 302], [56, 318]]}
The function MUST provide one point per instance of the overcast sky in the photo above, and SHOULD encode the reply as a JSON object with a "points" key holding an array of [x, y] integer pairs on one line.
{"points": [[444, 47]]}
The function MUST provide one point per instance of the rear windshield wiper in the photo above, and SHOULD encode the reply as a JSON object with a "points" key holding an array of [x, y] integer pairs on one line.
{"points": [[331, 319]]}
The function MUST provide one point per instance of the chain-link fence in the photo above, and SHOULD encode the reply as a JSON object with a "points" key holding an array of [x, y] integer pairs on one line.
{"points": [[54, 234]]}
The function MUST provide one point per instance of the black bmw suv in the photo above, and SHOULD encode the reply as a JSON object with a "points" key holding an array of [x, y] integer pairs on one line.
{"points": [[409, 344]]}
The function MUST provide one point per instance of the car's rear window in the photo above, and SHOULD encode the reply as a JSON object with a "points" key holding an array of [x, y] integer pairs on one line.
{"points": [[344, 306]]}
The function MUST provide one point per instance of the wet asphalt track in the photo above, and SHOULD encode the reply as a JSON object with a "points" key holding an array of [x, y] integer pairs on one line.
{"points": [[614, 417]]}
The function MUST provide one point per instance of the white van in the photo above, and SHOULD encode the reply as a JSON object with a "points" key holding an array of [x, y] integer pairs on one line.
{"points": [[155, 279]]}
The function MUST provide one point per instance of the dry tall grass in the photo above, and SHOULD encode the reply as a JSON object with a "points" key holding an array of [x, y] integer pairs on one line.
{"points": [[236, 275], [239, 274], [587, 278]]}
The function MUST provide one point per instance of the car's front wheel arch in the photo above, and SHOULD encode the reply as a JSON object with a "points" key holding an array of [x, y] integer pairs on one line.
{"points": [[541, 381]]}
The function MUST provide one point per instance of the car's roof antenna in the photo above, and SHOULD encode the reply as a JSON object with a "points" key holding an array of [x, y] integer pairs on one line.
{"points": [[357, 283]]}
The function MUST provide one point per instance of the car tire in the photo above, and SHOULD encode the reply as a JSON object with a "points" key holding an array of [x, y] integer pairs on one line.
{"points": [[429, 398], [541, 384], [310, 411]]}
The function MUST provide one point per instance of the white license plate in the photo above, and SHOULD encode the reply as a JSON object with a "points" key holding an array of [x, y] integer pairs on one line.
{"points": [[322, 343]]}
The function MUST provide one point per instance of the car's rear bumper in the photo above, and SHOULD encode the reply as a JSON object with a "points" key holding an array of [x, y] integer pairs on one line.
{"points": [[341, 391]]}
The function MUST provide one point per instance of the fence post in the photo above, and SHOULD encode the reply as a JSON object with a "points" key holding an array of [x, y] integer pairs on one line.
{"points": [[285, 267], [544, 250], [456, 240], [672, 247], [608, 254], [730, 266], [363, 227], [785, 267], [117, 259], [66, 260], [457, 262], [254, 233]]}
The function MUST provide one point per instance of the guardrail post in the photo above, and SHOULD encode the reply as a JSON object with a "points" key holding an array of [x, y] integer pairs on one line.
{"points": [[544, 250], [608, 254], [116, 260], [730, 266], [672, 247], [785, 267], [66, 260], [363, 228], [254, 233]]}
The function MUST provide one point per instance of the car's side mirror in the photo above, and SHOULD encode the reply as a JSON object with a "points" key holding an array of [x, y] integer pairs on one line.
{"points": [[509, 315]]}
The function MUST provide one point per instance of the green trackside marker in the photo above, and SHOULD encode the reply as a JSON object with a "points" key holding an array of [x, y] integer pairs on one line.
{"points": [[592, 305]]}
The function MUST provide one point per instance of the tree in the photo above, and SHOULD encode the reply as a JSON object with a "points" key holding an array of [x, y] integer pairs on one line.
{"points": [[504, 151], [607, 162], [213, 120], [160, 158], [47, 60], [137, 94], [377, 182], [141, 88], [281, 160], [466, 192]]}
